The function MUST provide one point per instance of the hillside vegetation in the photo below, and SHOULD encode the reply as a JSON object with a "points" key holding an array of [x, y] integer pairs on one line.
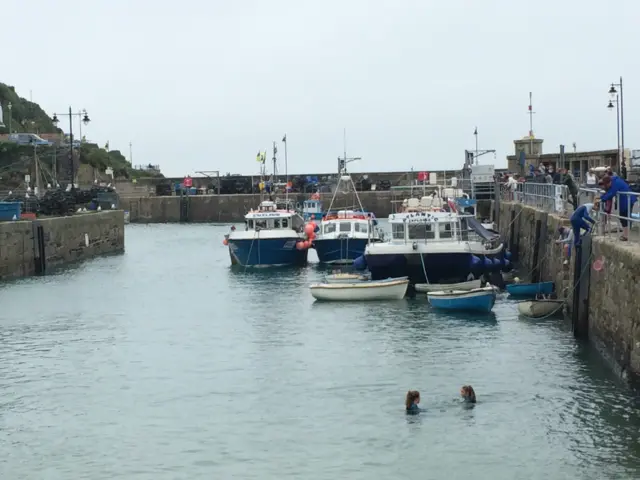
{"points": [[18, 160]]}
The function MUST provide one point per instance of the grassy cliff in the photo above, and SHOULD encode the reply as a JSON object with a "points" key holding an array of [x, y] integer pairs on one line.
{"points": [[18, 160]]}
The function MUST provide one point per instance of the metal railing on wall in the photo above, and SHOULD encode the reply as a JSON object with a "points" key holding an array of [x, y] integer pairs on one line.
{"points": [[543, 196], [612, 217]]}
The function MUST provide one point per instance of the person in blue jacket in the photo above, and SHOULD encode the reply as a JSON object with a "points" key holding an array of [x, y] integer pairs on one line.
{"points": [[579, 221], [615, 185]]}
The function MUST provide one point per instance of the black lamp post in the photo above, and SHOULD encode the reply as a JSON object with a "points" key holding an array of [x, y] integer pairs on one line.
{"points": [[620, 118], [85, 120]]}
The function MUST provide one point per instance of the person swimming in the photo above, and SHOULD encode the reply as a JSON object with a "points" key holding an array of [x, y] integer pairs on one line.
{"points": [[468, 394], [412, 401]]}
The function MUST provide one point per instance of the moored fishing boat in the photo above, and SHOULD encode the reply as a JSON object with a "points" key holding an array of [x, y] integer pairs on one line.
{"points": [[273, 234], [389, 289], [478, 300], [270, 238], [344, 233]]}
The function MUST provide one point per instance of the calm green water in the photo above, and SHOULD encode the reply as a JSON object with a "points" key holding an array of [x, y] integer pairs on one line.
{"points": [[164, 363]]}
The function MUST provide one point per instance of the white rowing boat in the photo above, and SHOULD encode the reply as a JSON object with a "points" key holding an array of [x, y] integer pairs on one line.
{"points": [[540, 308], [390, 289]]}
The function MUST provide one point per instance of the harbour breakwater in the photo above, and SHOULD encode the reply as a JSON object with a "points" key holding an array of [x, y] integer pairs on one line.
{"points": [[34, 247], [600, 283], [232, 208]]}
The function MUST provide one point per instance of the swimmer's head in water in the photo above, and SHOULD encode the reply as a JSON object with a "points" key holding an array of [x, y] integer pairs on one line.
{"points": [[468, 393], [413, 398]]}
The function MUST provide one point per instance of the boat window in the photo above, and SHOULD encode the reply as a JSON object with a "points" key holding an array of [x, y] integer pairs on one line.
{"points": [[330, 228], [445, 230], [261, 224], [285, 223], [420, 231], [397, 231], [362, 227], [345, 226], [250, 224], [276, 223]]}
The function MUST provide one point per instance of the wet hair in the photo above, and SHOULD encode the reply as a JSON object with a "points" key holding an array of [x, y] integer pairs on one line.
{"points": [[411, 396], [469, 393]]}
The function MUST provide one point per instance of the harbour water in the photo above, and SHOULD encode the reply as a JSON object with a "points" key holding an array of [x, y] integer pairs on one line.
{"points": [[165, 363]]}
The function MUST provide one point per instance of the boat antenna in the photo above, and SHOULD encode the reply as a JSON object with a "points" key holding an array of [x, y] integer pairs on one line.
{"points": [[286, 173]]}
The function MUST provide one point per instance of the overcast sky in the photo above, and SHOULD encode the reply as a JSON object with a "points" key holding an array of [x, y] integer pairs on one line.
{"points": [[203, 85]]}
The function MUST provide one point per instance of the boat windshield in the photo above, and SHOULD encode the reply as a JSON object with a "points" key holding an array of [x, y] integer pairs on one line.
{"points": [[421, 231], [267, 223], [345, 226]]}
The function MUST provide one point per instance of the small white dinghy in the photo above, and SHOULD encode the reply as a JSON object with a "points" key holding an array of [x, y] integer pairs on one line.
{"points": [[389, 289], [540, 308], [440, 287]]}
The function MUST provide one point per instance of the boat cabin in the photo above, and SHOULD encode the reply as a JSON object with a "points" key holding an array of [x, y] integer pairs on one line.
{"points": [[347, 222], [269, 217], [312, 206], [429, 227]]}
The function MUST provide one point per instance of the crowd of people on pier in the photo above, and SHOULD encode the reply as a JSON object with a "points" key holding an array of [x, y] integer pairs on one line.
{"points": [[581, 221]]}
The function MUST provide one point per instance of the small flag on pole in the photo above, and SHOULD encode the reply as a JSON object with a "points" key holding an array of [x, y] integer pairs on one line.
{"points": [[106, 146], [259, 157], [475, 132], [284, 139]]}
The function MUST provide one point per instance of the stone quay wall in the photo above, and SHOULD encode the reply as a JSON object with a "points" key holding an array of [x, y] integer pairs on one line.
{"points": [[610, 297], [232, 208], [30, 247]]}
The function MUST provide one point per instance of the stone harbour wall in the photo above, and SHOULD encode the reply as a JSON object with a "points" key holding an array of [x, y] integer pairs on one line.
{"points": [[62, 240], [612, 294], [614, 304], [232, 208]]}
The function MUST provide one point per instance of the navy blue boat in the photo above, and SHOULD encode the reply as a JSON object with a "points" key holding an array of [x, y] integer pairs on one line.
{"points": [[271, 237]]}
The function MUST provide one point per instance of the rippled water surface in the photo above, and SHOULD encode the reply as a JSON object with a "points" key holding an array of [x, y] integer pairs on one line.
{"points": [[164, 363]]}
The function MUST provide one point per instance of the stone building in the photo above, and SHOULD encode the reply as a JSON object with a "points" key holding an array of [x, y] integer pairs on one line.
{"points": [[528, 151]]}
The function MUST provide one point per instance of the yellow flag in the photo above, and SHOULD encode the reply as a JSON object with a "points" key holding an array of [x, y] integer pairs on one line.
{"points": [[259, 157]]}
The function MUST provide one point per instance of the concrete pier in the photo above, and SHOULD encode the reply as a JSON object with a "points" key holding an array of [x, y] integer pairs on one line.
{"points": [[608, 299], [33, 247]]}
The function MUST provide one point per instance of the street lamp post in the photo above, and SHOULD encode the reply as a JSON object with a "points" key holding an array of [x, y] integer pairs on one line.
{"points": [[85, 120], [612, 92], [10, 107], [616, 100]]}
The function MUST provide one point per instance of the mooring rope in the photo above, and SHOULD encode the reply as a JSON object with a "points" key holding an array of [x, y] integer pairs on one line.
{"points": [[251, 248]]}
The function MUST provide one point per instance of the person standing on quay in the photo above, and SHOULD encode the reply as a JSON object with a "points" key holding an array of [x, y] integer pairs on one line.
{"points": [[571, 186], [615, 185]]}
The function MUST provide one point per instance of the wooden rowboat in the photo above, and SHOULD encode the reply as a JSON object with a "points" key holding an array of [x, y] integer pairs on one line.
{"points": [[540, 308], [440, 287], [390, 289]]}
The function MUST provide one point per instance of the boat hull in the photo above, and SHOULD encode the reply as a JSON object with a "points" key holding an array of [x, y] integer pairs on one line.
{"points": [[530, 289], [478, 300], [438, 287], [540, 308], [393, 289], [440, 267], [268, 252], [339, 250]]}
